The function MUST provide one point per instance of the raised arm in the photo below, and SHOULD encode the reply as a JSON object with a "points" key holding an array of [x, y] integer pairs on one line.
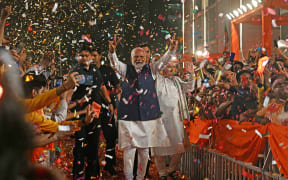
{"points": [[159, 65], [115, 63], [50, 96], [4, 15]]}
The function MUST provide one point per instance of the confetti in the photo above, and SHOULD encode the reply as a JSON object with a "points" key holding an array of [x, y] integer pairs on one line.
{"points": [[125, 101], [229, 127], [243, 130], [266, 101], [204, 136], [258, 133], [55, 7]]}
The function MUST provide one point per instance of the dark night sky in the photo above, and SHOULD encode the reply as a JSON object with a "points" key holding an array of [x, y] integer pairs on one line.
{"points": [[137, 21]]}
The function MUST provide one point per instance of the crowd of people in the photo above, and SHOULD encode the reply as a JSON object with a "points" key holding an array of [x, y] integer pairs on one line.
{"points": [[142, 104]]}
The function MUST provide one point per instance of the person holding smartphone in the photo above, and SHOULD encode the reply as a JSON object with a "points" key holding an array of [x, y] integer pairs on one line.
{"points": [[94, 86]]}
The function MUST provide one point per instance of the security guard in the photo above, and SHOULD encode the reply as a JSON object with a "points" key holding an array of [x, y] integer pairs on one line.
{"points": [[87, 139]]}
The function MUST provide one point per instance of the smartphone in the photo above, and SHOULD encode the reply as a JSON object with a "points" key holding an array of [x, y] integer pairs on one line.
{"points": [[59, 82], [89, 80], [227, 66], [82, 81], [64, 128]]}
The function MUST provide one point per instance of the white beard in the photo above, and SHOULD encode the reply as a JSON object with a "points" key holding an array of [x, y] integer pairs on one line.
{"points": [[138, 66]]}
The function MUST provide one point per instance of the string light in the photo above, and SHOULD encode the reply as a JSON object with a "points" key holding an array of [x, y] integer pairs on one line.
{"points": [[244, 8], [249, 6], [240, 11], [236, 13], [228, 16], [255, 3]]}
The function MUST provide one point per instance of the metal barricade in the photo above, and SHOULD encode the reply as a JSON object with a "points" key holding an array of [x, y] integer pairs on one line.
{"points": [[202, 163]]}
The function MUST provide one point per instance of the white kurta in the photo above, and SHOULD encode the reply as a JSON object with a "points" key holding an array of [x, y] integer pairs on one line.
{"points": [[141, 134], [168, 96]]}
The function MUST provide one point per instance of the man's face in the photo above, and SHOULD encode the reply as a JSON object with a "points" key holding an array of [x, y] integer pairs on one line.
{"points": [[96, 57], [85, 57], [148, 53], [170, 69], [138, 59]]}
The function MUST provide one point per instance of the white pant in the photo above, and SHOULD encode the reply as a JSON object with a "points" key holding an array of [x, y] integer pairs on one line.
{"points": [[161, 163], [129, 156]]}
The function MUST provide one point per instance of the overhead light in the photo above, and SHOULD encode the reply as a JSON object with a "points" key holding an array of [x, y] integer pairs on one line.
{"points": [[199, 53], [236, 13], [255, 3], [240, 11], [249, 6], [173, 58], [260, 1], [228, 16], [244, 8], [205, 53], [231, 15]]}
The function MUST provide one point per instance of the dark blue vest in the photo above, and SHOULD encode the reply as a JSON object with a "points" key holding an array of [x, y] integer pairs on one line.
{"points": [[138, 99]]}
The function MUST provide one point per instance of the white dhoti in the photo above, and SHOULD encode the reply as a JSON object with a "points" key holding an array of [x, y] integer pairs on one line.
{"points": [[142, 134]]}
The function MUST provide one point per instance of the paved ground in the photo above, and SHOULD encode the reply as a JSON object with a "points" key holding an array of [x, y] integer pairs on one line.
{"points": [[64, 162]]}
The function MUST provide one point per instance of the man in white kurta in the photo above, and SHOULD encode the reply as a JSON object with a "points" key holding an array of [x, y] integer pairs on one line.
{"points": [[139, 100], [171, 93]]}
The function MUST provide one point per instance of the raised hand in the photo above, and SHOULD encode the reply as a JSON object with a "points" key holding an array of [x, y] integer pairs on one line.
{"points": [[48, 58], [73, 80], [113, 44], [90, 115], [5, 12], [15, 55], [173, 43]]}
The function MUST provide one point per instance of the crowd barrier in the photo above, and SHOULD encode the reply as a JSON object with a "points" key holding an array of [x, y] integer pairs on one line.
{"points": [[203, 164], [240, 142]]}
